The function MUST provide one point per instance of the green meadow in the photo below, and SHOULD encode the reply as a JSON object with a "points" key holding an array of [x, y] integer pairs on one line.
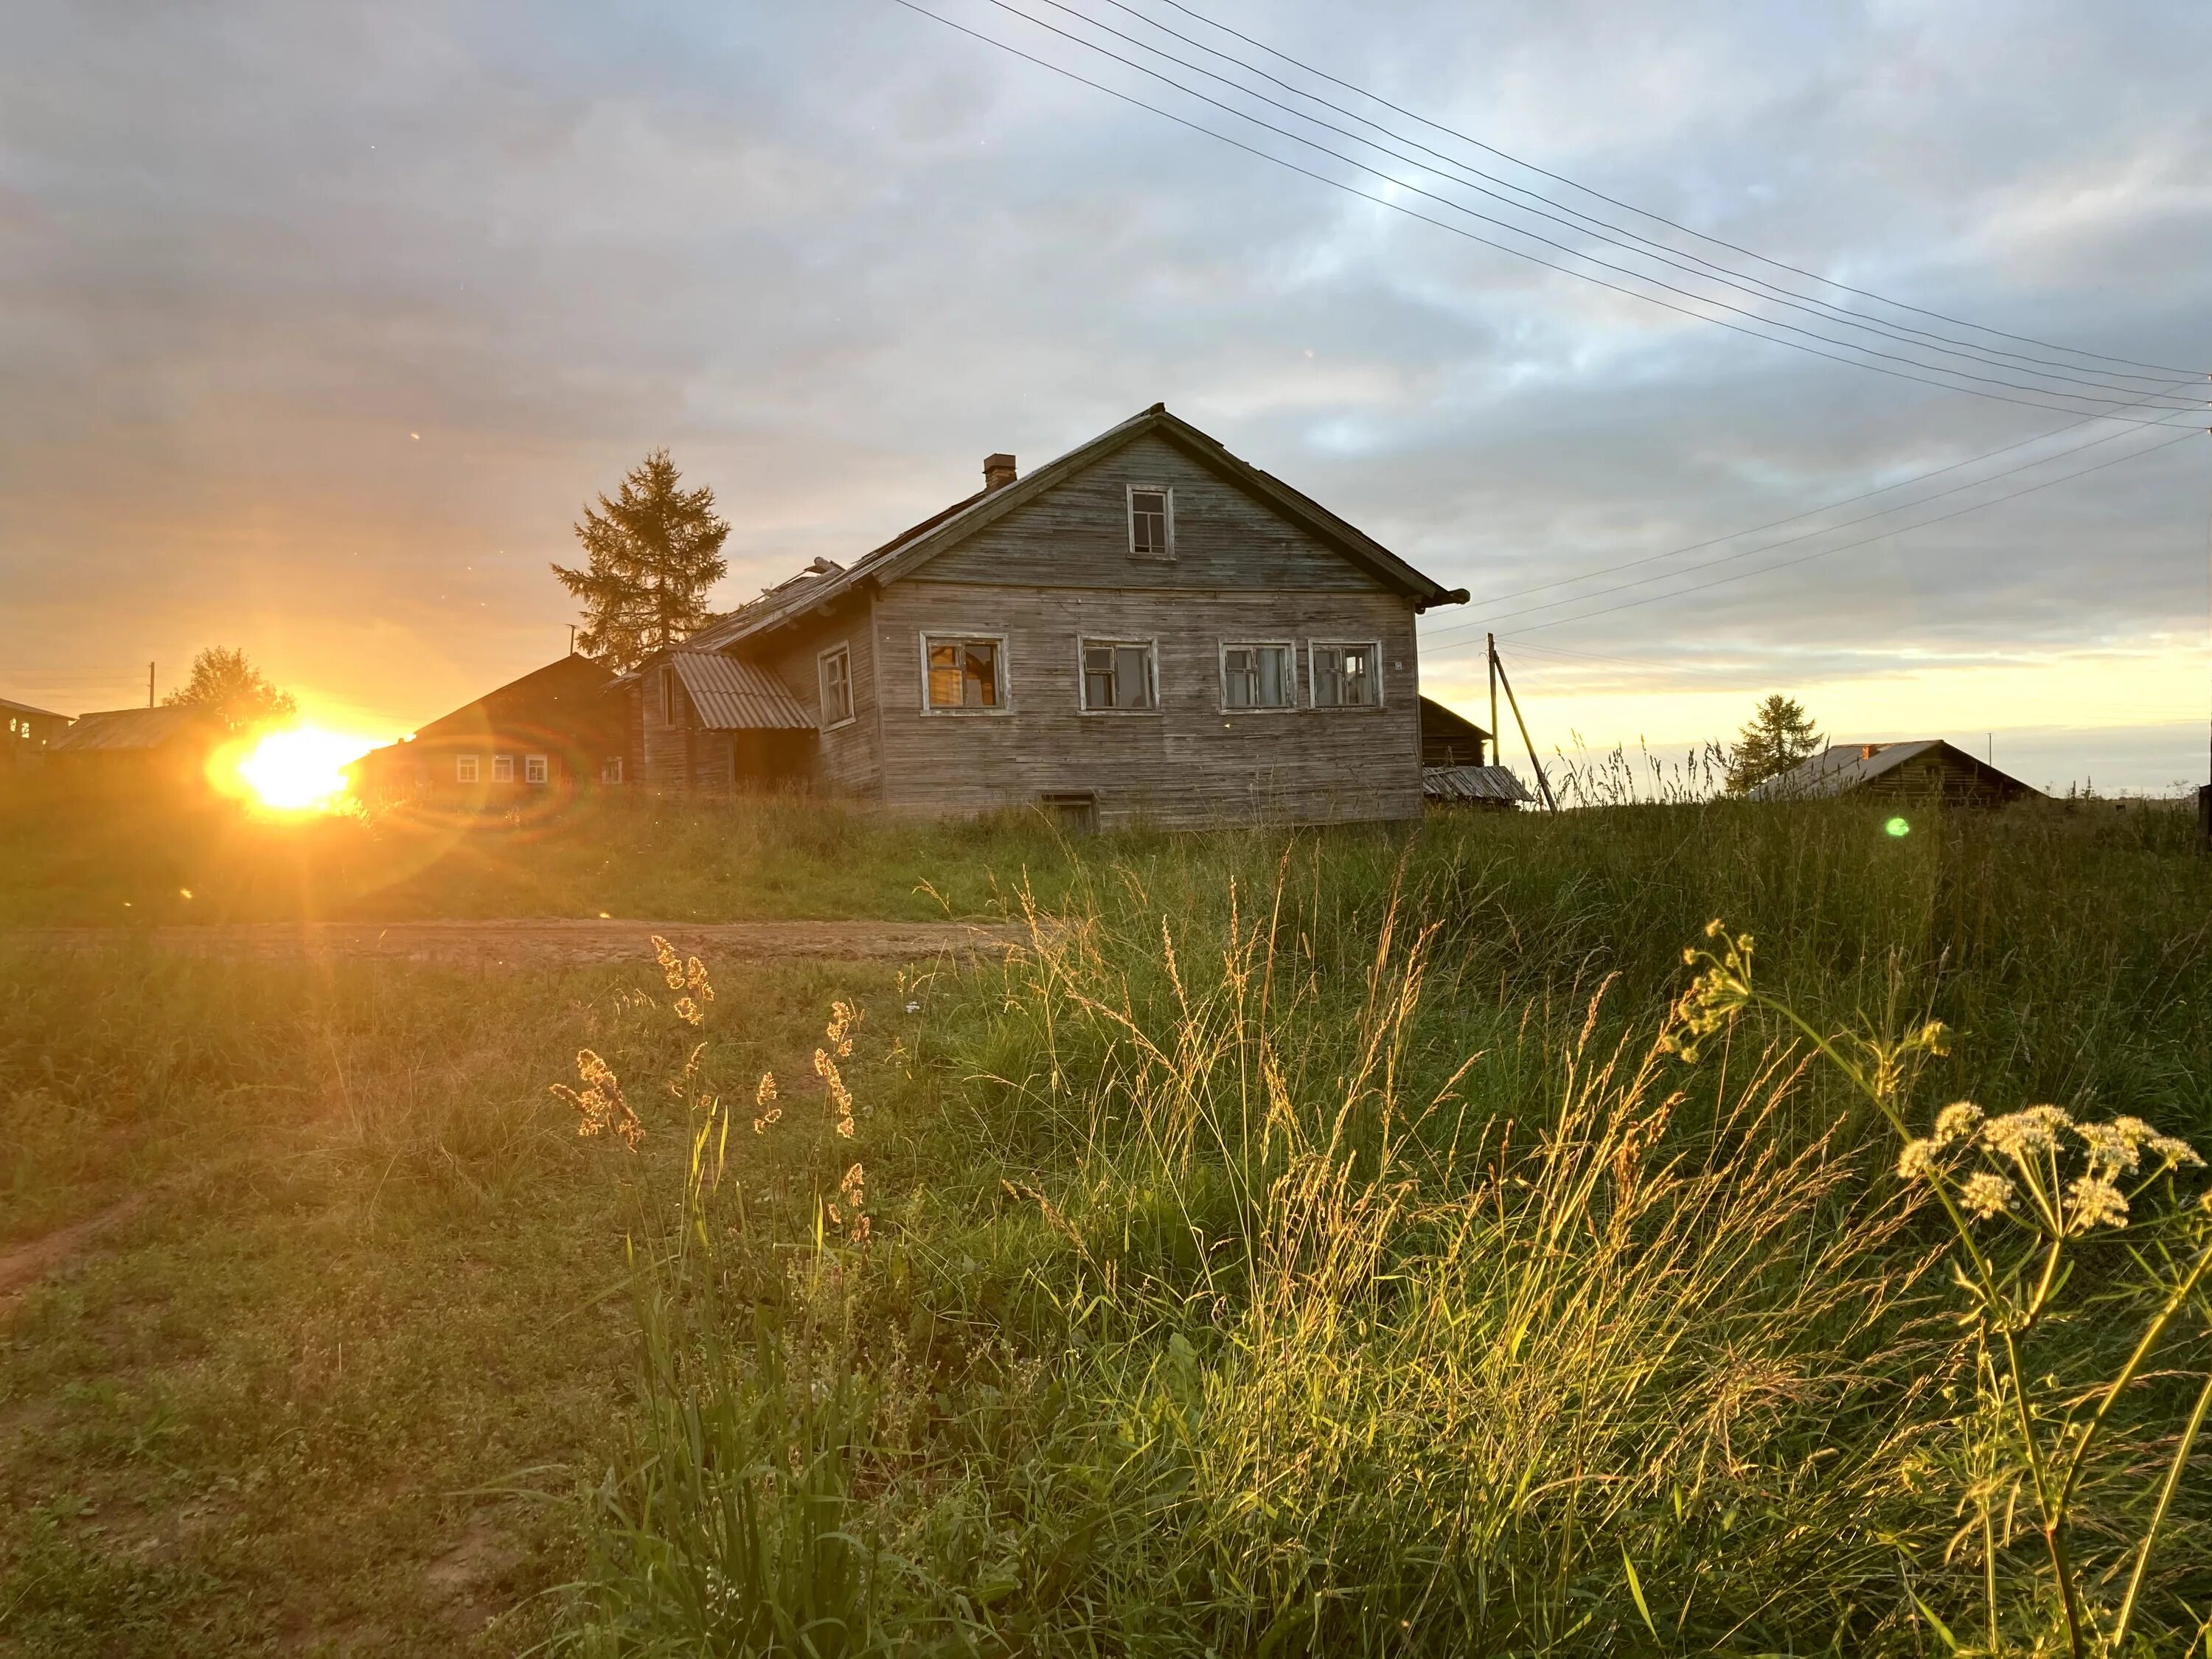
{"points": [[1314, 1242]]}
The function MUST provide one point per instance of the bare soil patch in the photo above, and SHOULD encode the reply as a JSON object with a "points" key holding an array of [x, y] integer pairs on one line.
{"points": [[545, 942], [23, 1265]]}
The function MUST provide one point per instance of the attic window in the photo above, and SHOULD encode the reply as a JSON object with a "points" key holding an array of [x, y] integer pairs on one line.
{"points": [[1151, 521]]}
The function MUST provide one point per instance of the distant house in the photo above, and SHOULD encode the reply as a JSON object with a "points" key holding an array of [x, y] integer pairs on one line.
{"points": [[1449, 738], [544, 736], [1923, 768], [1454, 769], [136, 749], [28, 731], [1146, 629]]}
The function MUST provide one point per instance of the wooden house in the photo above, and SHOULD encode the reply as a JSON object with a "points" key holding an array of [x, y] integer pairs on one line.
{"points": [[133, 750], [539, 738], [27, 732], [1449, 738], [1924, 768], [1147, 628]]}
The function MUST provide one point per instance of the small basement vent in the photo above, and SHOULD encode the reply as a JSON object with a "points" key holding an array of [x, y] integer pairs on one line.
{"points": [[1076, 812]]}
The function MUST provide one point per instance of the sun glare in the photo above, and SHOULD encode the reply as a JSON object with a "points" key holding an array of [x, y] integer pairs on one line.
{"points": [[300, 769]]}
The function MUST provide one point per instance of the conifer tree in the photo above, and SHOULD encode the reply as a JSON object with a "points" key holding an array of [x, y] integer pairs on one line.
{"points": [[652, 552], [1779, 735], [228, 686]]}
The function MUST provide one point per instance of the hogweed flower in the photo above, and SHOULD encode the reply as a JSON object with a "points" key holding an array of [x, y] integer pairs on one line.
{"points": [[1917, 1161], [1717, 994], [1986, 1194], [2019, 1134], [1957, 1121], [2096, 1203]]}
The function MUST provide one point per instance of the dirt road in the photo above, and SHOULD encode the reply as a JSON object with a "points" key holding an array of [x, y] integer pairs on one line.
{"points": [[545, 943]]}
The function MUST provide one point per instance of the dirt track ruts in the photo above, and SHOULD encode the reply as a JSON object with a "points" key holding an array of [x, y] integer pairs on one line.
{"points": [[547, 942]]}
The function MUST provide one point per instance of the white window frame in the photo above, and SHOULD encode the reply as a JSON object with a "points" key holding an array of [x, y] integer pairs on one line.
{"points": [[1313, 679], [1221, 681], [1166, 493], [966, 637], [610, 768], [844, 649], [466, 769], [537, 768], [502, 768], [1083, 642]]}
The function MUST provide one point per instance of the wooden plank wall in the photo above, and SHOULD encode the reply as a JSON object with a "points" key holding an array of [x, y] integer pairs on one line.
{"points": [[1190, 762], [849, 760]]}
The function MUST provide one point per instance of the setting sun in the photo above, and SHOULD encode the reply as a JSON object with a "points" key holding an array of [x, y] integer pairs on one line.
{"points": [[300, 769]]}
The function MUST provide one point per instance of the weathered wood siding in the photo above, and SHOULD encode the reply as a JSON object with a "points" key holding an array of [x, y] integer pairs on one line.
{"points": [[848, 761], [1077, 534], [1189, 763]]}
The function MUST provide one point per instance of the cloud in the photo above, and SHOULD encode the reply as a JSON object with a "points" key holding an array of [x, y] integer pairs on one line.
{"points": [[833, 254]]}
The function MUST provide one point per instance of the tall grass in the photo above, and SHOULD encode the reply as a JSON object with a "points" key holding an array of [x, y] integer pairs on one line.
{"points": [[1307, 1246]]}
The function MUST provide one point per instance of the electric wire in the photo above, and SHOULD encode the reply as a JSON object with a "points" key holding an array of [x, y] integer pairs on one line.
{"points": [[1788, 541], [1517, 230], [1645, 212], [1605, 232]]}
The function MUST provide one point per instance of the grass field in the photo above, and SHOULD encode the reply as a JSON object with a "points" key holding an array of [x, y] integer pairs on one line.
{"points": [[1303, 1250]]}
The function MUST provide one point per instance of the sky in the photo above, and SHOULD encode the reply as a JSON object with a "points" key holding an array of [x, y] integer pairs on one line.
{"points": [[319, 325]]}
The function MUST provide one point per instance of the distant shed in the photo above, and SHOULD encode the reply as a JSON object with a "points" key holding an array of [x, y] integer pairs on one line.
{"points": [[137, 748], [1922, 769], [1449, 738], [1492, 787]]}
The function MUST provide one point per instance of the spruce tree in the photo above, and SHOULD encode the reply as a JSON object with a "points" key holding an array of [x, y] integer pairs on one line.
{"points": [[1779, 735], [652, 552], [230, 687]]}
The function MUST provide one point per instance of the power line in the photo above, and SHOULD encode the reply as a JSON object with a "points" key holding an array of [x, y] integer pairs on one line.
{"points": [[1805, 558], [1472, 236], [1645, 212], [1538, 237], [1755, 288], [1788, 541]]}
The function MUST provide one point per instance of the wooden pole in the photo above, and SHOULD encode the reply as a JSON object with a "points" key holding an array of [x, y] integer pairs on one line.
{"points": [[1543, 784], [1497, 748], [150, 685]]}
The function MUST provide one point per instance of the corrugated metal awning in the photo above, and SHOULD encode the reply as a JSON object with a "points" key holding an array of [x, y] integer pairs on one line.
{"points": [[734, 695], [1490, 783]]}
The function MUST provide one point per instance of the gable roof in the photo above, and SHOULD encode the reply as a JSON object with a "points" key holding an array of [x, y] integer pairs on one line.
{"points": [[572, 679], [1843, 766], [733, 694], [121, 729], [915, 546], [10, 706]]}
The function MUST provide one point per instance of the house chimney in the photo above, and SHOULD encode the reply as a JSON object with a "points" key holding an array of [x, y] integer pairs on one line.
{"points": [[1868, 750], [998, 471]]}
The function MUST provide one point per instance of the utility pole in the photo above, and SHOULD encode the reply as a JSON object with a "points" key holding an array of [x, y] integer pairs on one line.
{"points": [[150, 685], [1496, 743], [2205, 795], [1496, 678]]}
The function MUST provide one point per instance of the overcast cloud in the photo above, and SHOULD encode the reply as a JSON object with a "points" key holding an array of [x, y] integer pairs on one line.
{"points": [[319, 323]]}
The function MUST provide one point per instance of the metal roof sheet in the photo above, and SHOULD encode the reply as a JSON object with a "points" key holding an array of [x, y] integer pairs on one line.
{"points": [[130, 728], [732, 696], [9, 705], [1495, 783], [1839, 768]]}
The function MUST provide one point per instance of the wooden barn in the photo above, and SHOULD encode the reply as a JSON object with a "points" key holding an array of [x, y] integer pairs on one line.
{"points": [[1146, 629], [539, 738], [1922, 769], [135, 750]]}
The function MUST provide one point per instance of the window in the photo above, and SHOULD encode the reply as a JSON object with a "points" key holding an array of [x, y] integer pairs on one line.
{"points": [[963, 673], [464, 769], [610, 770], [663, 695], [502, 768], [1152, 522], [1074, 812], [836, 673], [534, 768], [1346, 677], [1118, 674], [1258, 677]]}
